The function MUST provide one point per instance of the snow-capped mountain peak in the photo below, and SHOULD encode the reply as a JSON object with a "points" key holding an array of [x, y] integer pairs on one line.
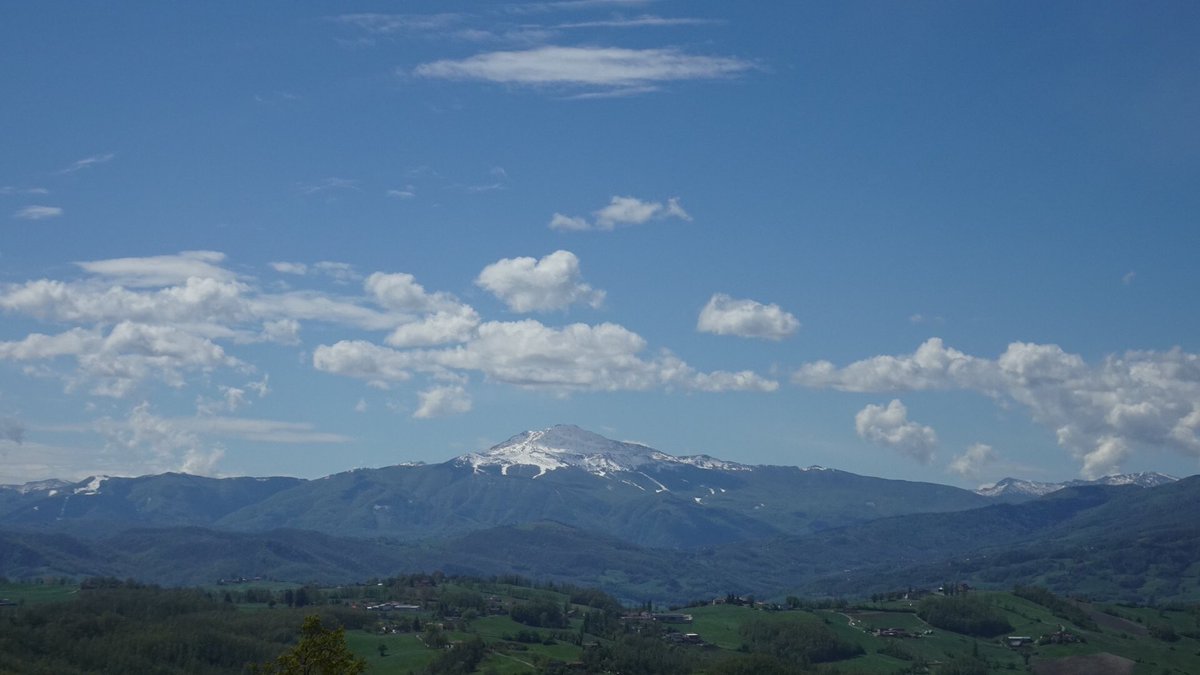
{"points": [[1010, 487], [566, 445]]}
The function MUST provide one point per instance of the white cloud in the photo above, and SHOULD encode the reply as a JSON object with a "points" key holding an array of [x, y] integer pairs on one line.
{"points": [[331, 184], [116, 362], [622, 211], [1100, 413], [455, 324], [14, 190], [604, 67], [642, 21], [37, 212], [724, 315], [232, 399], [530, 285], [442, 318], [529, 354], [407, 192], [443, 402], [971, 462], [338, 271], [889, 426], [160, 270], [932, 366], [162, 317], [155, 444], [296, 268], [569, 223], [387, 24], [365, 360], [88, 162], [281, 331], [176, 320]]}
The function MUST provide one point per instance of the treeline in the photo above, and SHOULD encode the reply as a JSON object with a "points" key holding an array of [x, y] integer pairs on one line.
{"points": [[796, 642], [967, 614], [1059, 607], [110, 627]]}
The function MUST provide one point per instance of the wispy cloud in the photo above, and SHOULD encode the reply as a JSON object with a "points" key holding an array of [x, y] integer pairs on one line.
{"points": [[604, 67], [390, 24], [6, 190], [643, 21], [569, 5], [37, 212], [88, 162], [330, 184], [622, 211], [258, 430]]}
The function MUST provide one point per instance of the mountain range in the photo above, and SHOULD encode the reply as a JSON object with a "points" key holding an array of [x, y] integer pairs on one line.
{"points": [[567, 504]]}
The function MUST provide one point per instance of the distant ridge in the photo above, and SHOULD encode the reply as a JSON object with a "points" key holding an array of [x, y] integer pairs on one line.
{"points": [[1018, 489]]}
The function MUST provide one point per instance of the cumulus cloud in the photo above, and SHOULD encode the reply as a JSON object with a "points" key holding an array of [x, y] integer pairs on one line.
{"points": [[185, 319], [569, 223], [1101, 413], [113, 363], [38, 212], [605, 357], [724, 315], [443, 402], [889, 426], [167, 317], [455, 324], [932, 366], [597, 67], [531, 285], [622, 211], [971, 462]]}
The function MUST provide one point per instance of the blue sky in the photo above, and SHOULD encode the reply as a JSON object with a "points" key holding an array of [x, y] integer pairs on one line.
{"points": [[933, 241]]}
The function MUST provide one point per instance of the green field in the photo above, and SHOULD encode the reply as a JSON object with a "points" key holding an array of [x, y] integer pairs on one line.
{"points": [[37, 593], [1162, 641]]}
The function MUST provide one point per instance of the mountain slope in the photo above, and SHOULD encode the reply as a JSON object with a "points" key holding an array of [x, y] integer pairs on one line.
{"points": [[581, 479]]}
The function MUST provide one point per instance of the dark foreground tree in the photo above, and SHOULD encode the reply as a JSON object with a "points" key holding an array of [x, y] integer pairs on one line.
{"points": [[321, 651]]}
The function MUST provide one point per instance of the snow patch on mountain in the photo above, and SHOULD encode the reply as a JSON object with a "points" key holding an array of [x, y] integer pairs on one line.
{"points": [[91, 486], [1029, 488], [566, 445]]}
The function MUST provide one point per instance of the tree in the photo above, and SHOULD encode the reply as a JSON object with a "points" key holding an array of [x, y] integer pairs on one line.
{"points": [[321, 651]]}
